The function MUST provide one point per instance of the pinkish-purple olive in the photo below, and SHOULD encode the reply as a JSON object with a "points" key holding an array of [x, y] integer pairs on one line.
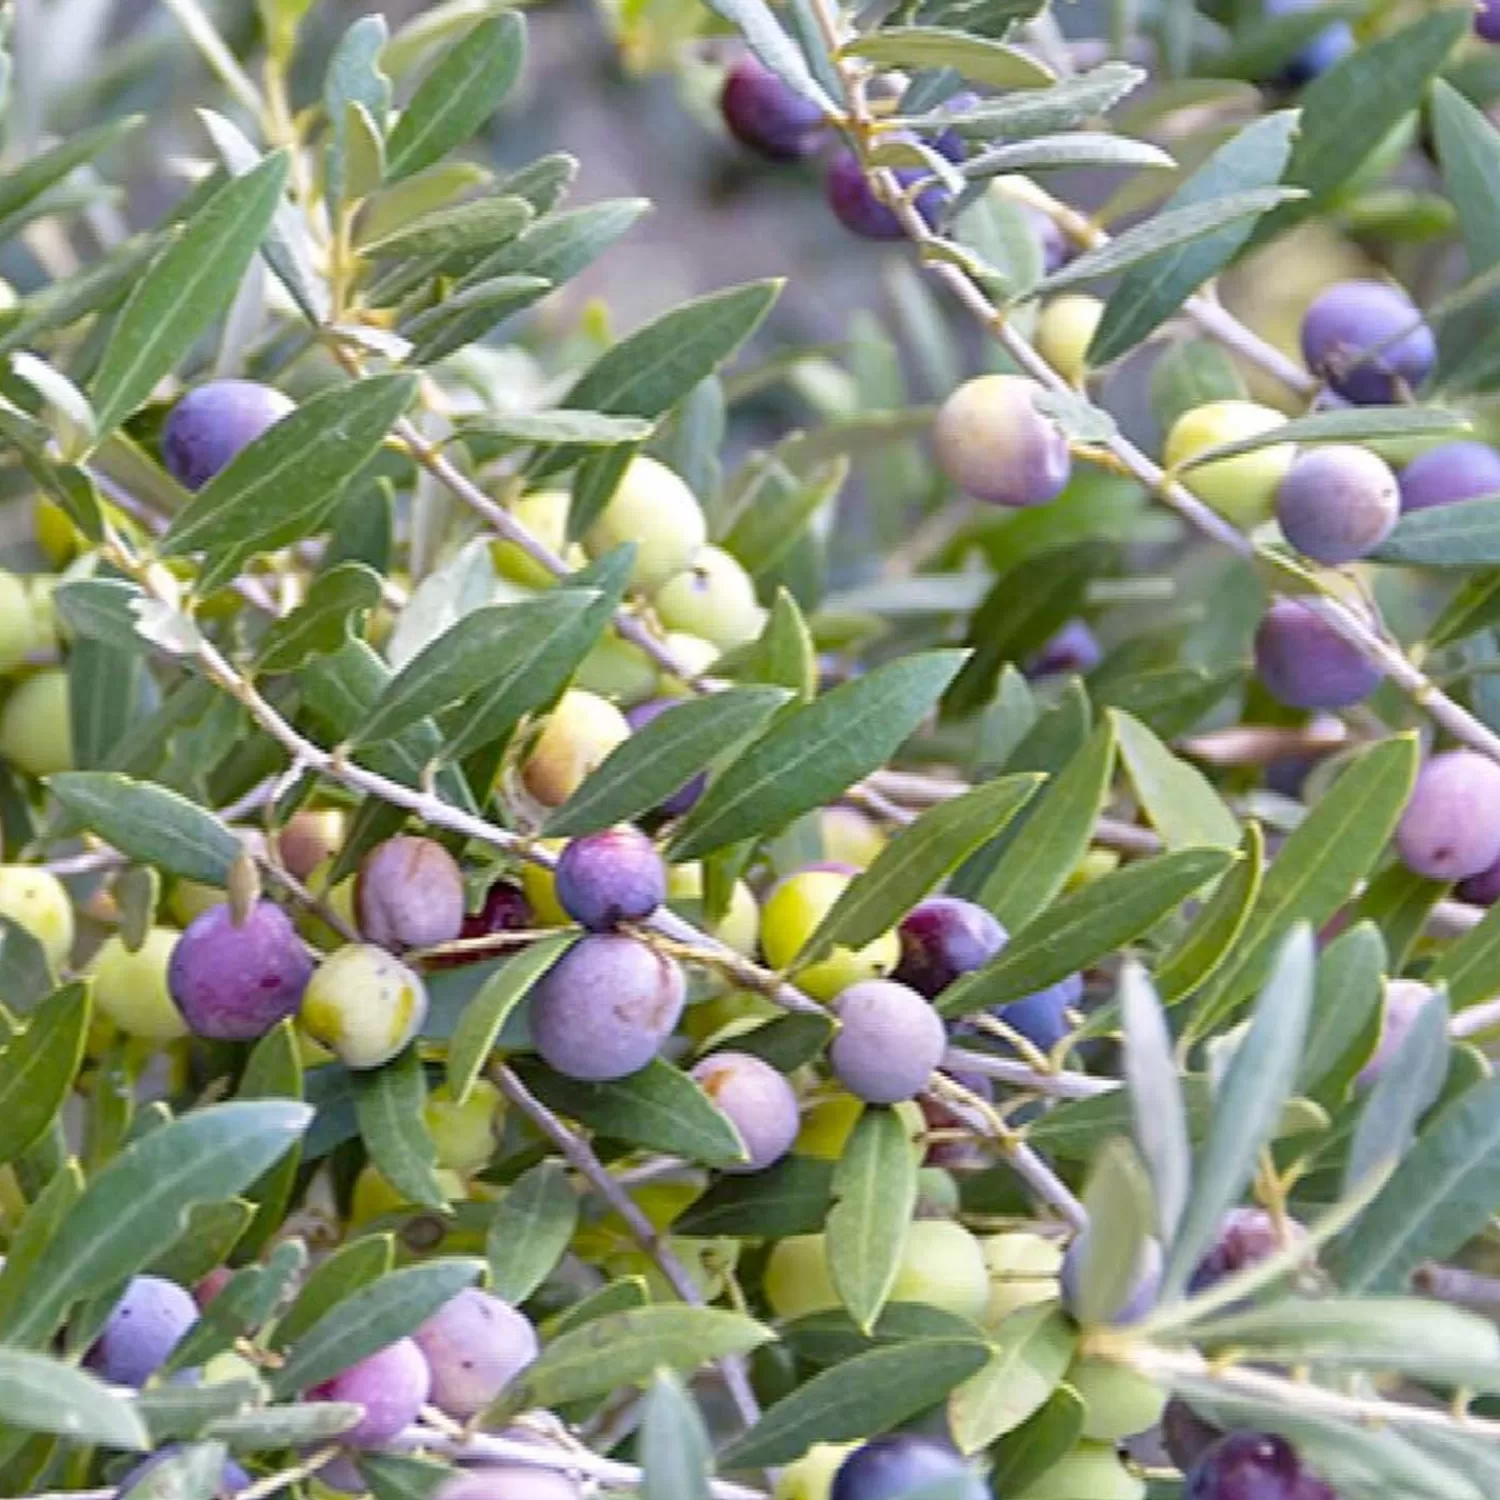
{"points": [[475, 1346], [995, 443], [145, 1326], [1338, 503], [766, 115], [760, 1103], [210, 425], [1448, 473], [605, 1007], [1450, 829], [1305, 663], [1368, 341], [1402, 1004], [889, 1041], [942, 939], [504, 909], [234, 983], [392, 1385], [409, 894], [607, 878]]}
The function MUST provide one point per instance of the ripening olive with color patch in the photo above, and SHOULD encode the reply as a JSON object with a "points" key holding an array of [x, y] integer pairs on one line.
{"points": [[475, 1346], [760, 1104], [364, 1005], [409, 894], [1450, 828], [1243, 488], [996, 443], [576, 739], [1368, 341]]}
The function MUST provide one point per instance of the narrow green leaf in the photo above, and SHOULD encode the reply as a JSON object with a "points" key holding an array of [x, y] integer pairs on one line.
{"points": [[1081, 927], [1151, 292], [807, 758], [188, 285], [1346, 1013], [1067, 103], [38, 1067], [1315, 872], [269, 1428], [39, 1394], [675, 1454], [285, 482], [657, 1109], [468, 315], [875, 1191], [1475, 606], [1035, 1348], [133, 1208], [371, 1318], [623, 1349], [399, 1476], [1443, 1193], [1027, 1452], [462, 659], [790, 1198], [778, 512], [458, 96], [1117, 1197], [1359, 424], [773, 46], [914, 861], [388, 1103], [858, 1399], [29, 1243], [1054, 837], [530, 1231], [149, 823], [354, 76], [663, 756], [1256, 1085], [584, 429], [1401, 1095], [344, 1272], [1212, 935], [39, 171], [325, 621], [1176, 796], [1156, 1104], [1164, 231], [479, 223], [1465, 534], [977, 58], [273, 1071], [485, 1015]]}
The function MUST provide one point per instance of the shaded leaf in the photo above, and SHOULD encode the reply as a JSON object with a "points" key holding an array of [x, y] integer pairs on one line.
{"points": [[388, 1103], [38, 1067], [530, 1231]]}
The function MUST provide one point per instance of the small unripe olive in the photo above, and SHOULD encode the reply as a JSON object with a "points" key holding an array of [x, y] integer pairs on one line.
{"points": [[828, 1124], [1091, 1469], [653, 508], [1242, 489], [544, 513], [364, 1005], [464, 1134], [131, 988], [1064, 331], [312, 835], [539, 886], [693, 655], [17, 625], [576, 739], [617, 670], [811, 1477], [713, 599], [792, 913], [36, 731], [849, 837], [36, 900], [373, 1197]]}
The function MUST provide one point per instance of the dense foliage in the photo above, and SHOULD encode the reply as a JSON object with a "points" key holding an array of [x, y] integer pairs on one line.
{"points": [[949, 954]]}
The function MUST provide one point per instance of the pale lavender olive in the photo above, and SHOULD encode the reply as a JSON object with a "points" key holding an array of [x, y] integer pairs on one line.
{"points": [[889, 1041], [1448, 473], [1305, 663], [1368, 341], [904, 1463], [392, 1385], [475, 1345], [856, 207], [760, 1103], [995, 443], [1143, 1292], [1338, 503], [763, 113], [410, 894], [1450, 829], [210, 425], [605, 1007], [145, 1326], [232, 1478], [235, 982], [508, 1482], [942, 939], [607, 878]]}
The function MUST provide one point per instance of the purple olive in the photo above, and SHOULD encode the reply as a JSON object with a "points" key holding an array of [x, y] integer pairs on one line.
{"points": [[768, 116], [996, 443], [145, 1326], [1450, 829], [1487, 20], [1246, 1237], [1305, 663], [235, 982], [690, 791], [475, 1345], [232, 1478], [1320, 54], [211, 424], [1403, 1002], [1338, 503], [942, 939], [1075, 648], [607, 878], [905, 1463], [392, 1385], [1042, 1017], [760, 1104], [890, 1040], [1138, 1301], [605, 1007], [409, 894], [1450, 472], [856, 207], [1368, 341], [1246, 1466]]}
